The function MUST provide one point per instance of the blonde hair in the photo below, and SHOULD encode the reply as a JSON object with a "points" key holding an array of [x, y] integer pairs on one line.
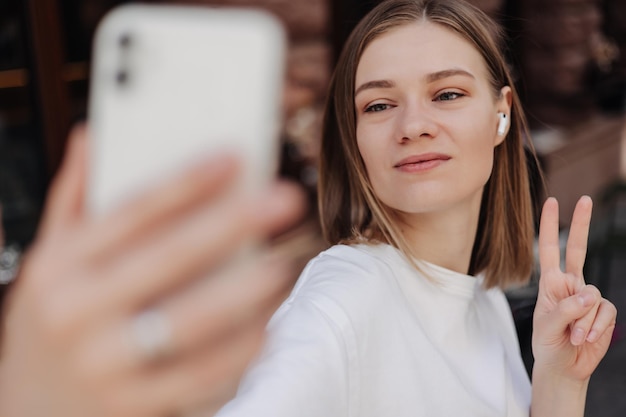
{"points": [[350, 210]]}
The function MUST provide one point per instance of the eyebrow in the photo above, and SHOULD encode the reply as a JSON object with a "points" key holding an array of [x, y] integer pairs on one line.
{"points": [[374, 84], [435, 76]]}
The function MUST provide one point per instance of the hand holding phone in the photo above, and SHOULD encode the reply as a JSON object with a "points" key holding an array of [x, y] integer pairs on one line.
{"points": [[70, 347]]}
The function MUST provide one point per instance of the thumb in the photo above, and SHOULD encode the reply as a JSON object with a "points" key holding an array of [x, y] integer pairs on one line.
{"points": [[553, 324]]}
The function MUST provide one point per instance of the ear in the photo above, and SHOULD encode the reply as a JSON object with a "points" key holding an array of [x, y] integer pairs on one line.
{"points": [[503, 107]]}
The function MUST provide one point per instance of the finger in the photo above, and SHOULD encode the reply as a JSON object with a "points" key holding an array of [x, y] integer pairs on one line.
{"points": [[207, 377], [156, 207], [604, 320], [215, 307], [201, 244], [191, 248], [66, 196], [549, 249], [581, 327], [204, 315], [556, 323], [577, 241]]}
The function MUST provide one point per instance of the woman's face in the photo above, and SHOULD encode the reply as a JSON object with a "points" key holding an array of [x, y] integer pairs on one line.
{"points": [[427, 119]]}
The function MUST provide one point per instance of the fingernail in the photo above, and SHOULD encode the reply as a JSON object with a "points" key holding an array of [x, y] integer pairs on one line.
{"points": [[592, 336], [586, 299], [586, 199], [578, 335]]}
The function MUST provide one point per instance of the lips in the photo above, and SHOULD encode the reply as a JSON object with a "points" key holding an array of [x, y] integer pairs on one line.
{"points": [[423, 161]]}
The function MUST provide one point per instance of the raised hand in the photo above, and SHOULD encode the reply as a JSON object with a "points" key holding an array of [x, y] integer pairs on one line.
{"points": [[573, 324]]}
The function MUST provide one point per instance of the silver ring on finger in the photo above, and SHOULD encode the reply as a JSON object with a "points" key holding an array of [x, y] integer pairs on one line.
{"points": [[151, 335]]}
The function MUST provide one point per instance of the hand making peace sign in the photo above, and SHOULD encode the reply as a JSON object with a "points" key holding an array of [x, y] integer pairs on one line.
{"points": [[573, 324]]}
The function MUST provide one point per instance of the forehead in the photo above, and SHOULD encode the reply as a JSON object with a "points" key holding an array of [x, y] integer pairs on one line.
{"points": [[415, 49]]}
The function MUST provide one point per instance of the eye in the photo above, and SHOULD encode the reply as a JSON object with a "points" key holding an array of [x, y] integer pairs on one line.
{"points": [[377, 107], [448, 96]]}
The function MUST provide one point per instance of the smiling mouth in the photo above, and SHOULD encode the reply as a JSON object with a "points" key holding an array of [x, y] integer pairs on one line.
{"points": [[421, 162], [422, 159]]}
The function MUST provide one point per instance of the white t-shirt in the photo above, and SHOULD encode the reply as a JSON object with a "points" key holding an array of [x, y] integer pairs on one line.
{"points": [[365, 334]]}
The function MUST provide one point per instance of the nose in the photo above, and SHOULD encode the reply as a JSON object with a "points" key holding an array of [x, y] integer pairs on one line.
{"points": [[416, 121]]}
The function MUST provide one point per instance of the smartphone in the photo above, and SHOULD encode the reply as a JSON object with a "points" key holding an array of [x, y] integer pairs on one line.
{"points": [[170, 84]]}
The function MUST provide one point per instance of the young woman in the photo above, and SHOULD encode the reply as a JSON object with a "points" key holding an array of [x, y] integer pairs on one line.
{"points": [[424, 194]]}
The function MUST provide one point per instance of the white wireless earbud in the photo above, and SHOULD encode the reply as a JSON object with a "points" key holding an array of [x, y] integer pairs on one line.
{"points": [[502, 124]]}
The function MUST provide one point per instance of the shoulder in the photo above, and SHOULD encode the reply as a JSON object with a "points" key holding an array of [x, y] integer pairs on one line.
{"points": [[344, 265], [360, 257], [345, 279]]}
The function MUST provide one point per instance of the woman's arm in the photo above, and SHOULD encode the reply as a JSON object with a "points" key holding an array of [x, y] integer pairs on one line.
{"points": [[557, 396], [303, 369], [573, 324]]}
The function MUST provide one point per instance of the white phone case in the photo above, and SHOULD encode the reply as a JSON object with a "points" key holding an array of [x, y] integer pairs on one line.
{"points": [[171, 84]]}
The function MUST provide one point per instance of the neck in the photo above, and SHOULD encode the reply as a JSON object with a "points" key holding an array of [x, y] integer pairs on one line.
{"points": [[445, 238]]}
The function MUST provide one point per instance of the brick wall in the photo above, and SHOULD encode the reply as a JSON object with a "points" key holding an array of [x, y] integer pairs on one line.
{"points": [[564, 57], [613, 88], [615, 24]]}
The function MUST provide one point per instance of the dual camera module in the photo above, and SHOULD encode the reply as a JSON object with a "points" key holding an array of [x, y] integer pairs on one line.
{"points": [[122, 76]]}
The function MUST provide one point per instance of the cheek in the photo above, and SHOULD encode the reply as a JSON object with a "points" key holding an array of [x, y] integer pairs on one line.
{"points": [[481, 162], [476, 133], [477, 147], [371, 153], [369, 148]]}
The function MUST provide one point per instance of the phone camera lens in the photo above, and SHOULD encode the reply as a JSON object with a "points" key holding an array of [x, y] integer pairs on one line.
{"points": [[125, 41], [122, 77]]}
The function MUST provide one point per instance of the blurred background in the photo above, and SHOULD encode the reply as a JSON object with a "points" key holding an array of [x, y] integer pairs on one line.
{"points": [[569, 59]]}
